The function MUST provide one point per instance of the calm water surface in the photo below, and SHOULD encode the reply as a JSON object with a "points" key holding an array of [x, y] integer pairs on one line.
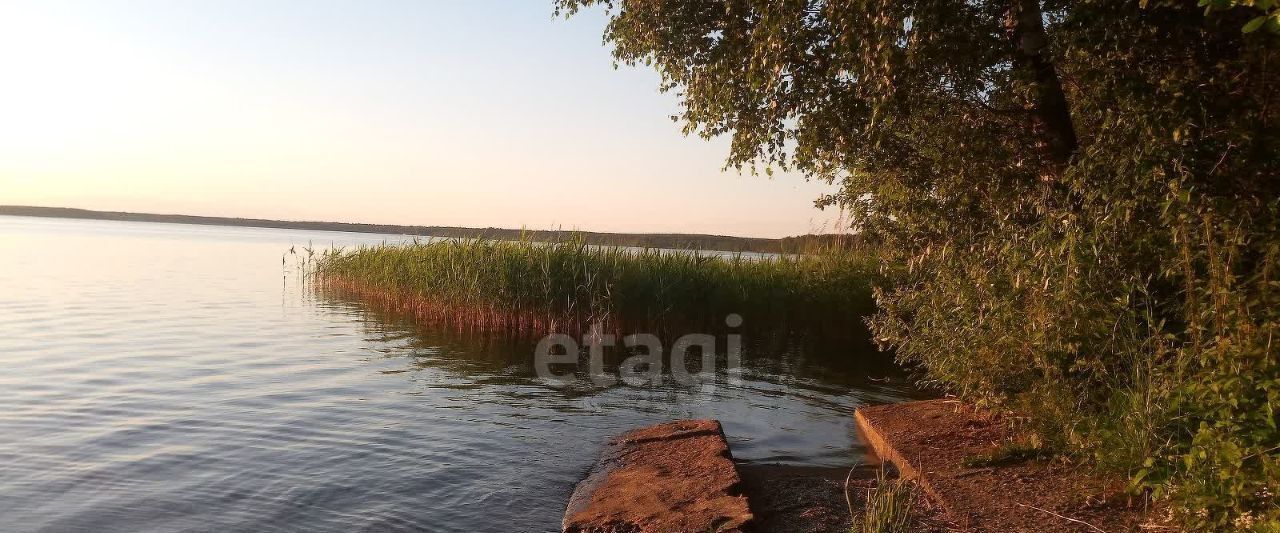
{"points": [[158, 377]]}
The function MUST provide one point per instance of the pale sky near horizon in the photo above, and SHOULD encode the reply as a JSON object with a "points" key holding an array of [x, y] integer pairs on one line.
{"points": [[487, 114]]}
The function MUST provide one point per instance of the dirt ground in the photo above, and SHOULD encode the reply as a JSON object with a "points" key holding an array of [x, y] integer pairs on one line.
{"points": [[933, 441]]}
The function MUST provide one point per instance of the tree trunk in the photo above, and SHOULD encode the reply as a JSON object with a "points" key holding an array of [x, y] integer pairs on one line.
{"points": [[1025, 28]]}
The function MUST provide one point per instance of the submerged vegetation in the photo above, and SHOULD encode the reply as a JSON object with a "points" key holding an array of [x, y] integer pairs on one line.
{"points": [[569, 286]]}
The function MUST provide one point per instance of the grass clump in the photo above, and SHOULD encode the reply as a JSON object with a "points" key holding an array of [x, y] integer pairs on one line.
{"points": [[888, 507], [569, 286]]}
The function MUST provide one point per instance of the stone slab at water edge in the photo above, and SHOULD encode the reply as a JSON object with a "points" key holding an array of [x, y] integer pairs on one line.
{"points": [[677, 476]]}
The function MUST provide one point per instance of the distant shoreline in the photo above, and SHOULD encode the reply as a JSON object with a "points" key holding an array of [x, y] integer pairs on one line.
{"points": [[639, 240]]}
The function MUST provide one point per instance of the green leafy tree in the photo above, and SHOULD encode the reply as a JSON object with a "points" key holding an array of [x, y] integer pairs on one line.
{"points": [[1080, 197]]}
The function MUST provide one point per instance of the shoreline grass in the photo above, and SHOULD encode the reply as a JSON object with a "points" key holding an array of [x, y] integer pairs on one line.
{"points": [[888, 507], [571, 287]]}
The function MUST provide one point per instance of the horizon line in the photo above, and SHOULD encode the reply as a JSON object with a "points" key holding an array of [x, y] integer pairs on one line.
{"points": [[393, 229]]}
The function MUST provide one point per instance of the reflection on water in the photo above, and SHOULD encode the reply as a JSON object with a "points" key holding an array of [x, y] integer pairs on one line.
{"points": [[158, 377]]}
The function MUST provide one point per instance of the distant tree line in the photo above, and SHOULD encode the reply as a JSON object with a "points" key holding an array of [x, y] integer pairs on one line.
{"points": [[676, 241]]}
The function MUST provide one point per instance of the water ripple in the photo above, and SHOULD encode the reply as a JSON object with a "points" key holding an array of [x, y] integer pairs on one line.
{"points": [[158, 377]]}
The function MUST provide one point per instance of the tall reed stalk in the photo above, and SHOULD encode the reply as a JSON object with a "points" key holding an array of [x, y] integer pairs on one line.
{"points": [[568, 286]]}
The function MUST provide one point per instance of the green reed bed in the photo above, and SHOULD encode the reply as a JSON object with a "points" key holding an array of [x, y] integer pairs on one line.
{"points": [[570, 287]]}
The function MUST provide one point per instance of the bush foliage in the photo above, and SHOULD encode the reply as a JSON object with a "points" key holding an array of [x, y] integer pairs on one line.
{"points": [[1082, 197]]}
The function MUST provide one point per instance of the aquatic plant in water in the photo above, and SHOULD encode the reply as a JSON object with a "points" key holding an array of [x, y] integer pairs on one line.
{"points": [[569, 286]]}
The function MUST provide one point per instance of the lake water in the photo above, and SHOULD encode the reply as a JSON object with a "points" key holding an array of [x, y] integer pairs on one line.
{"points": [[162, 377]]}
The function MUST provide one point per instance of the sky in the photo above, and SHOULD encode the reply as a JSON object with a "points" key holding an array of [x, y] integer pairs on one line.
{"points": [[468, 113]]}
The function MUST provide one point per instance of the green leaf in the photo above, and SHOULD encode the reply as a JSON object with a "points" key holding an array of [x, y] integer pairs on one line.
{"points": [[1254, 24]]}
